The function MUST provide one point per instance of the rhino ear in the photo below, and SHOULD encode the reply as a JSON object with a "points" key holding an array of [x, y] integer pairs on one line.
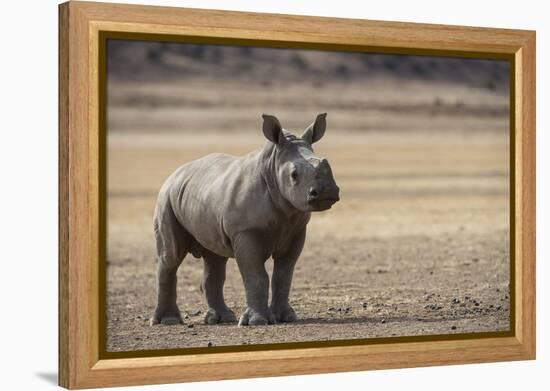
{"points": [[272, 129], [316, 130]]}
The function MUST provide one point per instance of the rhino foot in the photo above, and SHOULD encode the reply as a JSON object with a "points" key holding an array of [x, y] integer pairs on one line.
{"points": [[167, 318], [225, 316], [252, 317], [284, 314]]}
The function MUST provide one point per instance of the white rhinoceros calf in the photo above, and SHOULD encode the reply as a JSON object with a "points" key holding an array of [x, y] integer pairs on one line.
{"points": [[249, 208]]}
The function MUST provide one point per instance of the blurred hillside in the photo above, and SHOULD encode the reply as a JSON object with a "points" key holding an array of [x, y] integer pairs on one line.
{"points": [[158, 61], [166, 87]]}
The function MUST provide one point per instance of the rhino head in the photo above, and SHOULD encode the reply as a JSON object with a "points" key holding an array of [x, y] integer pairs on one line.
{"points": [[304, 179]]}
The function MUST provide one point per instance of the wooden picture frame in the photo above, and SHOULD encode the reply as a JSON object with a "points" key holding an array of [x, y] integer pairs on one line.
{"points": [[81, 28]]}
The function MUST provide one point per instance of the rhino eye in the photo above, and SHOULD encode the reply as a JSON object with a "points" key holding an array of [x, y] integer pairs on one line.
{"points": [[294, 175]]}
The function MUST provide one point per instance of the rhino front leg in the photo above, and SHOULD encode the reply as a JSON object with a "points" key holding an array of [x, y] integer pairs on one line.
{"points": [[251, 256], [212, 284], [283, 269]]}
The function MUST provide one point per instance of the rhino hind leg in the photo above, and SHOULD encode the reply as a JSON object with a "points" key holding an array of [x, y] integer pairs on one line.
{"points": [[213, 280], [173, 243]]}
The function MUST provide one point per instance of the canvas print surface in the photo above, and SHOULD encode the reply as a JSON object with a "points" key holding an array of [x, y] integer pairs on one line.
{"points": [[388, 217]]}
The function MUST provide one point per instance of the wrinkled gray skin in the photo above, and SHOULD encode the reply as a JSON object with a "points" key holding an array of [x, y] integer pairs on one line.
{"points": [[249, 208]]}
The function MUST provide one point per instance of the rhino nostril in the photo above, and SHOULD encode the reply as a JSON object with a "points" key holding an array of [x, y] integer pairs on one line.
{"points": [[313, 192]]}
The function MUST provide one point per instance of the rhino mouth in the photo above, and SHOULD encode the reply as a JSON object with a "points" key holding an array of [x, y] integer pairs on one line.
{"points": [[325, 203]]}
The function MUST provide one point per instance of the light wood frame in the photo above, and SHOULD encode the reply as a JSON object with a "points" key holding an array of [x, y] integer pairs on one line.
{"points": [[80, 25]]}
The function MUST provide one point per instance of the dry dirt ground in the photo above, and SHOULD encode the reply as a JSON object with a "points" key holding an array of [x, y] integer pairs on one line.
{"points": [[418, 244]]}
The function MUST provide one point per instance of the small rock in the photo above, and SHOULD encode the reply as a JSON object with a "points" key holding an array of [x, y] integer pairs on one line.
{"points": [[210, 344], [383, 321], [332, 309], [455, 301], [196, 313], [433, 307], [364, 305], [453, 327], [190, 326]]}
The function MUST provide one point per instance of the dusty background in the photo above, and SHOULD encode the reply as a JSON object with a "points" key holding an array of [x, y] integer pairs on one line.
{"points": [[419, 243]]}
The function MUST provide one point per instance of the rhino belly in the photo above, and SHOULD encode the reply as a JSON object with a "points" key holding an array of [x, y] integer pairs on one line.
{"points": [[211, 238]]}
